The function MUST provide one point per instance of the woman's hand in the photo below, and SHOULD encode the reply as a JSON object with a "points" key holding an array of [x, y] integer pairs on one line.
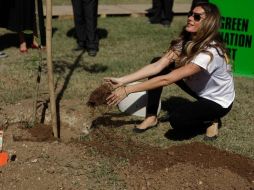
{"points": [[117, 96], [114, 83]]}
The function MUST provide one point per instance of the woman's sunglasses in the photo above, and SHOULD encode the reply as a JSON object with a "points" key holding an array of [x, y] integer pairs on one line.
{"points": [[196, 16]]}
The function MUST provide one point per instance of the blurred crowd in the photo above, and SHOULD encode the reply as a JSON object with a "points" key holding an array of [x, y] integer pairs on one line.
{"points": [[19, 16]]}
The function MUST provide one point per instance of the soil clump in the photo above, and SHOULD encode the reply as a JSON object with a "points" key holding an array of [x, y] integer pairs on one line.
{"points": [[99, 95]]}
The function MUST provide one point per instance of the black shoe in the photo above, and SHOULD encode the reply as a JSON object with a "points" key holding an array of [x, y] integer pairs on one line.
{"points": [[138, 130], [154, 21], [78, 48], [150, 12], [165, 23], [92, 52]]}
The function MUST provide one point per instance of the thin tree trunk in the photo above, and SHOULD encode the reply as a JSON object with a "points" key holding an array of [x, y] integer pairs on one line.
{"points": [[50, 67]]}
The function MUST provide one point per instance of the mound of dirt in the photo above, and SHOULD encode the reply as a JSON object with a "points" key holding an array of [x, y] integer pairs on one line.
{"points": [[38, 133], [189, 166], [39, 158]]}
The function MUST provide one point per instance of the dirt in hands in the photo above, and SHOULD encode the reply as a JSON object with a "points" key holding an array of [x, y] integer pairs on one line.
{"points": [[97, 104], [99, 95]]}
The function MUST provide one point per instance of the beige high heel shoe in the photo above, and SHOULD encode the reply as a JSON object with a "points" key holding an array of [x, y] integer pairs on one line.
{"points": [[212, 131]]}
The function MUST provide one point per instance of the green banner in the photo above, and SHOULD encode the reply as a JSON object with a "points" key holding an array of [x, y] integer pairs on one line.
{"points": [[237, 31]]}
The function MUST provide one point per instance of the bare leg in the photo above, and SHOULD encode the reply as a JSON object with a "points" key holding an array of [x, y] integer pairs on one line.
{"points": [[22, 43], [35, 43], [153, 103]]}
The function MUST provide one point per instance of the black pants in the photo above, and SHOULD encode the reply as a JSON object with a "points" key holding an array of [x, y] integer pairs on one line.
{"points": [[192, 114], [85, 19], [194, 2], [163, 10]]}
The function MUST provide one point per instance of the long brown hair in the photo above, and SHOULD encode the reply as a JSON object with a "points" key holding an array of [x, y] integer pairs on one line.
{"points": [[207, 33]]}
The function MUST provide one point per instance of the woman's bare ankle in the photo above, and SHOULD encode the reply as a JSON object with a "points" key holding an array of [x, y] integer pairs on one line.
{"points": [[148, 122], [22, 47]]}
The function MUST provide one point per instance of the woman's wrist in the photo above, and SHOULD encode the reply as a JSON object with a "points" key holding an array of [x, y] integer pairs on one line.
{"points": [[122, 81], [126, 90]]}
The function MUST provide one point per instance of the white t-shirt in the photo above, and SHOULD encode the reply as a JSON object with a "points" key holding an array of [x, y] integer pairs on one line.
{"points": [[215, 81]]}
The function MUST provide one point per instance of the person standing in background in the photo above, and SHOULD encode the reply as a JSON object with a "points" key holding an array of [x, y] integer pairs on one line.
{"points": [[162, 12], [19, 16], [194, 2], [85, 20], [152, 10]]}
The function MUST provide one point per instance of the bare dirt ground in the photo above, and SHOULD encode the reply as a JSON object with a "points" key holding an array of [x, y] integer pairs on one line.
{"points": [[104, 158]]}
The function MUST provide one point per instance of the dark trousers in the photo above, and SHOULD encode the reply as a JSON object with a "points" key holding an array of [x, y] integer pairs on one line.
{"points": [[85, 19], [163, 10], [194, 2], [192, 114]]}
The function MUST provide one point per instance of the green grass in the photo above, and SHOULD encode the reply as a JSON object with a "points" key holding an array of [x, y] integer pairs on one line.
{"points": [[126, 44]]}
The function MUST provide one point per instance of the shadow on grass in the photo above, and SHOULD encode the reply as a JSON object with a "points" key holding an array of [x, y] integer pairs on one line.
{"points": [[9, 40], [107, 121], [61, 67], [180, 135]]}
